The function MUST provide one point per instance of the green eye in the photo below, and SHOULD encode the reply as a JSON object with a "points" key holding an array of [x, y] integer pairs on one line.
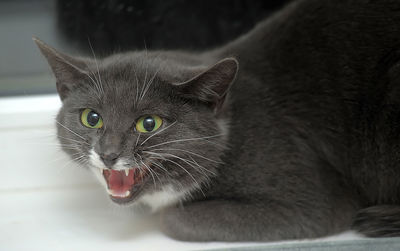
{"points": [[149, 123], [91, 119]]}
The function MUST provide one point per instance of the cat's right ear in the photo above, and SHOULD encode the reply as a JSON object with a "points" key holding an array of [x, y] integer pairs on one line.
{"points": [[68, 71], [211, 85]]}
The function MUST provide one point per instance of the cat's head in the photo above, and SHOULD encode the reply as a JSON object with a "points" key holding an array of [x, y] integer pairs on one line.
{"points": [[151, 125]]}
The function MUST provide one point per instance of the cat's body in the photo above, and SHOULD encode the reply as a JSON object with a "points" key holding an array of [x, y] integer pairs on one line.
{"points": [[293, 145]]}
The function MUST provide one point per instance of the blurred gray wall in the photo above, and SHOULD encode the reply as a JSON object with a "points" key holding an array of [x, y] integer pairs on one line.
{"points": [[23, 70]]}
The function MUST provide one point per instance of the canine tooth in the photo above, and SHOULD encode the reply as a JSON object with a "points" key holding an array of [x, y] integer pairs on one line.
{"points": [[101, 170], [127, 193], [126, 172]]}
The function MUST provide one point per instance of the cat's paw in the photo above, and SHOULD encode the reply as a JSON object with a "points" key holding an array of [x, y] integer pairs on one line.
{"points": [[175, 225]]}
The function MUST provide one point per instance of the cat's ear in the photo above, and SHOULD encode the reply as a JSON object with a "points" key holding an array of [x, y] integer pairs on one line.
{"points": [[68, 71], [211, 85]]}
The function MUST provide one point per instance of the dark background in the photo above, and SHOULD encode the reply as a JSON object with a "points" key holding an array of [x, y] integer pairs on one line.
{"points": [[159, 24]]}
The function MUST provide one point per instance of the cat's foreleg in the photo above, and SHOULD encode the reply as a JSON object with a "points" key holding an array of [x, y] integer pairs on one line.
{"points": [[222, 220]]}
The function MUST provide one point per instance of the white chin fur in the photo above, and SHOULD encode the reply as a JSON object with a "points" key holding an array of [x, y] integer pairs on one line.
{"points": [[96, 165], [157, 200]]}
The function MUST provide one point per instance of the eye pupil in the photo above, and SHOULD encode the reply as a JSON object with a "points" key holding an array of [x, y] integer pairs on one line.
{"points": [[149, 124], [93, 118]]}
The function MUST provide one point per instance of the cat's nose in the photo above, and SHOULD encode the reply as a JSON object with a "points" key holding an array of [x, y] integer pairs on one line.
{"points": [[109, 159]]}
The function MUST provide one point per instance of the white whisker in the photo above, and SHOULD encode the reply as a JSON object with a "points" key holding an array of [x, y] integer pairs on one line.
{"points": [[73, 160], [68, 146], [201, 167], [183, 140], [145, 81], [137, 88], [150, 171], [73, 140], [177, 157], [179, 165], [165, 128], [62, 157], [186, 151], [70, 130], [97, 89], [160, 166], [150, 82], [97, 66], [137, 163], [137, 140]]}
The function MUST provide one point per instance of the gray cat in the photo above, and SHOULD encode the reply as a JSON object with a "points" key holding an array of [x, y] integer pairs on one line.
{"points": [[301, 141]]}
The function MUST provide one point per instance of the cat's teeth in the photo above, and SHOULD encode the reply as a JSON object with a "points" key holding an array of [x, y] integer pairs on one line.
{"points": [[127, 193], [101, 170], [127, 172]]}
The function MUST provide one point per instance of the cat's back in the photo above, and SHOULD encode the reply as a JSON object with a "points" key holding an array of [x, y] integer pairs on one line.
{"points": [[312, 87]]}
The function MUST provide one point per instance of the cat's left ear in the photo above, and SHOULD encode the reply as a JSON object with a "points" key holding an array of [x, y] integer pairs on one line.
{"points": [[211, 85]]}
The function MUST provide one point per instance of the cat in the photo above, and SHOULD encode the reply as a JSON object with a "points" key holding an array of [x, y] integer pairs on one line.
{"points": [[290, 131]]}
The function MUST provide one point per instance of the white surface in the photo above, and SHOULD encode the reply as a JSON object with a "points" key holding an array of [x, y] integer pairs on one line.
{"points": [[48, 203]]}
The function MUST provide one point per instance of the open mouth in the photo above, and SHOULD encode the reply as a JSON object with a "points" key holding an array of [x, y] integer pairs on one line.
{"points": [[121, 184]]}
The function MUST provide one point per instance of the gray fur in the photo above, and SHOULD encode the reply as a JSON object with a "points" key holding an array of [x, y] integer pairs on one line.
{"points": [[313, 116]]}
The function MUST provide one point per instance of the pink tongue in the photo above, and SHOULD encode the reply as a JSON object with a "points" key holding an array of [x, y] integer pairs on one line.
{"points": [[118, 182]]}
